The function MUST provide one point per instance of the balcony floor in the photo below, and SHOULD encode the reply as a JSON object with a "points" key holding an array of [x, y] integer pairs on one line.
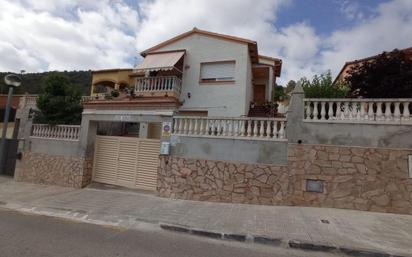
{"points": [[134, 103]]}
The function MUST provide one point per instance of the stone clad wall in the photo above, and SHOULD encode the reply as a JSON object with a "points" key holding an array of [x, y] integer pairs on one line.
{"points": [[54, 170], [371, 179], [221, 181]]}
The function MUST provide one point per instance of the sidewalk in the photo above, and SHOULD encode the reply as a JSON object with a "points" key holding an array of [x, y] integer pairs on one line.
{"points": [[389, 233]]}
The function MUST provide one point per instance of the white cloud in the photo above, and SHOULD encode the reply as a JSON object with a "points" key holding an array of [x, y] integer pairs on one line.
{"points": [[41, 37], [250, 19], [391, 28], [351, 10], [84, 34]]}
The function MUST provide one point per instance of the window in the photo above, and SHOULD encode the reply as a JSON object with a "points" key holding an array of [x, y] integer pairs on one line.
{"points": [[217, 71]]}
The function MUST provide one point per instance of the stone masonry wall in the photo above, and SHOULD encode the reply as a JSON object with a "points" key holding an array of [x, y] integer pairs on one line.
{"points": [[54, 170], [372, 179]]}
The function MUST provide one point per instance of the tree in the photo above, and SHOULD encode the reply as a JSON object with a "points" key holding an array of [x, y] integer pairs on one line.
{"points": [[321, 87], [60, 102], [290, 86], [389, 75], [279, 93]]}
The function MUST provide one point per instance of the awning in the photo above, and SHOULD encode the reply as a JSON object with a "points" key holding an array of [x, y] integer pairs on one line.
{"points": [[160, 61]]}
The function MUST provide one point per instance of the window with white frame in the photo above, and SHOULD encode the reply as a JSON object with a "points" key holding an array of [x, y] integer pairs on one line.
{"points": [[217, 71]]}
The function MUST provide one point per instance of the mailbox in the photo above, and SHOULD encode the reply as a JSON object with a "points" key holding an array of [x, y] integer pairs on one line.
{"points": [[165, 148]]}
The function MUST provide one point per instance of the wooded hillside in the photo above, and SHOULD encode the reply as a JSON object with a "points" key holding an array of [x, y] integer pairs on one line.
{"points": [[33, 83]]}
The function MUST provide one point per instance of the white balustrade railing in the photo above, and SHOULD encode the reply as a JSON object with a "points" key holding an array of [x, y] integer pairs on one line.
{"points": [[156, 84], [373, 111], [62, 132], [28, 101], [244, 128]]}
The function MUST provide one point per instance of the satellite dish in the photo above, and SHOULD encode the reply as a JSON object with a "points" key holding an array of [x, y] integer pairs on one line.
{"points": [[12, 80]]}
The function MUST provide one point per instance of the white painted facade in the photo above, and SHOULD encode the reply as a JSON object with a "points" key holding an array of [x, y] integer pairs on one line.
{"points": [[219, 99]]}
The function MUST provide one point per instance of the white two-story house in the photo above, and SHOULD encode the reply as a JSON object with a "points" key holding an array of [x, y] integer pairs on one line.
{"points": [[208, 73], [199, 74]]}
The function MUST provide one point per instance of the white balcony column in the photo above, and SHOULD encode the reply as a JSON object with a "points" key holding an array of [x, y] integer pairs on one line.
{"points": [[282, 130], [242, 131], [262, 128], [338, 110], [379, 111], [306, 110], [255, 128], [356, 107], [190, 126], [330, 110], [322, 110], [249, 128], [388, 113], [346, 112], [185, 126], [397, 111], [371, 113], [406, 113], [219, 127], [315, 110], [195, 127], [362, 110], [202, 126], [236, 128], [268, 125], [230, 128]]}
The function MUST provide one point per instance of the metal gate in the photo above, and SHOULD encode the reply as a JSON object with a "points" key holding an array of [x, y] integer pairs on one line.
{"points": [[11, 156], [126, 161]]}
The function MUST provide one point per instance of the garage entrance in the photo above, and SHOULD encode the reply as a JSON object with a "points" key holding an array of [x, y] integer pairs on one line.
{"points": [[126, 161]]}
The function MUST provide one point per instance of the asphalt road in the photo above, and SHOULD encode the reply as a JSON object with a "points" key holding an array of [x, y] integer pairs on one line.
{"points": [[24, 235]]}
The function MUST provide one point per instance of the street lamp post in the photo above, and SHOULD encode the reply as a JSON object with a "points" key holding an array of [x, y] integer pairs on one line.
{"points": [[12, 80]]}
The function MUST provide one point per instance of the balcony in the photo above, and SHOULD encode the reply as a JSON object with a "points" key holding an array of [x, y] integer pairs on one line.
{"points": [[168, 86], [154, 92]]}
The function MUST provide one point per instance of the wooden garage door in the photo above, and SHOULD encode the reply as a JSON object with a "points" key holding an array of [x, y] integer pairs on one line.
{"points": [[125, 161]]}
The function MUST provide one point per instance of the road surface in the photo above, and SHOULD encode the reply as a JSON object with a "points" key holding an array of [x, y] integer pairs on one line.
{"points": [[24, 235]]}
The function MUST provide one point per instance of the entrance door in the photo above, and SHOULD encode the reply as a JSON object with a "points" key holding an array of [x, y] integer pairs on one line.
{"points": [[126, 161], [259, 96]]}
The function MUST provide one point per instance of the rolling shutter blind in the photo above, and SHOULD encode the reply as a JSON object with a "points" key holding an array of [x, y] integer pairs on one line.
{"points": [[217, 71]]}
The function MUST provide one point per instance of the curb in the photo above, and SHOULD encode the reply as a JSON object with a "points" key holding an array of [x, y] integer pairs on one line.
{"points": [[294, 244], [81, 216]]}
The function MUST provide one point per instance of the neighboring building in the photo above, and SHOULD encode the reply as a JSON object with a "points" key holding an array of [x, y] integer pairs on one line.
{"points": [[348, 65], [200, 72]]}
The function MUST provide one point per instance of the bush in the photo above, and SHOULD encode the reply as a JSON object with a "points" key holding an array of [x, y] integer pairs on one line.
{"points": [[389, 75], [59, 103], [321, 86]]}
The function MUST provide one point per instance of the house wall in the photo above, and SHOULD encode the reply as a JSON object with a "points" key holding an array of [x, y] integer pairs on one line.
{"points": [[53, 162], [361, 167], [115, 76], [370, 179], [217, 99], [247, 151], [249, 85]]}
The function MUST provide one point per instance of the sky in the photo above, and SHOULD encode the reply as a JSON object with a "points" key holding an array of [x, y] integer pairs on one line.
{"points": [[310, 36]]}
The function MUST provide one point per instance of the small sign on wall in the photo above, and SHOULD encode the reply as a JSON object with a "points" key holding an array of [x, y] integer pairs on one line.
{"points": [[165, 148], [410, 165], [166, 129]]}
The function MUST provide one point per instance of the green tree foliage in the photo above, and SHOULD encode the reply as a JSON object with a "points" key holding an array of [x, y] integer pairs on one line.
{"points": [[290, 86], [33, 82], [387, 76], [279, 93], [60, 102], [321, 86]]}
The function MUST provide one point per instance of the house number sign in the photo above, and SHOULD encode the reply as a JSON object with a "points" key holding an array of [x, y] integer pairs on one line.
{"points": [[123, 117]]}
